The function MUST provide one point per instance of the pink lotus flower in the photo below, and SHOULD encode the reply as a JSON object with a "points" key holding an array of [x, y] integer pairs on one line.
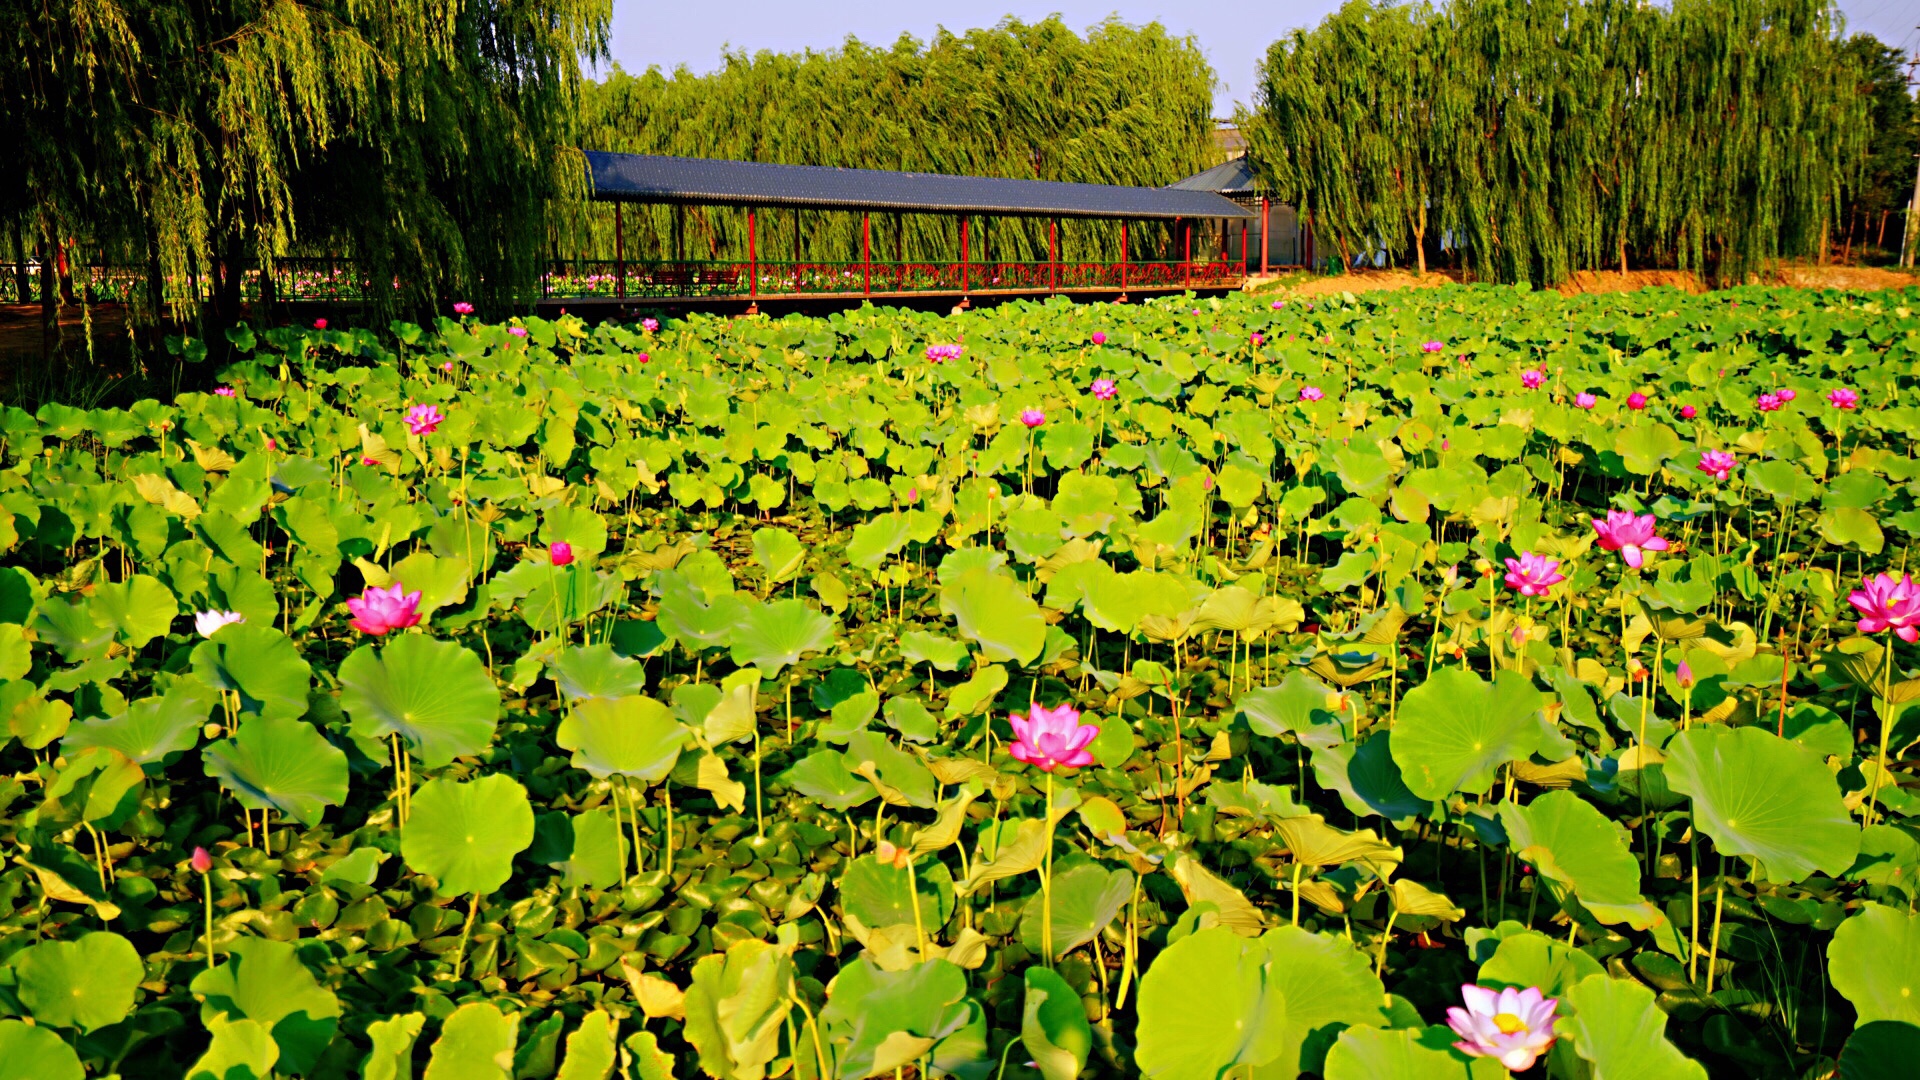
{"points": [[365, 460], [1716, 463], [1511, 1026], [1636, 400], [273, 444], [517, 331], [1311, 393], [1258, 341], [1533, 575], [1843, 398], [1629, 535], [1104, 389], [1786, 393], [1533, 380], [1768, 402], [377, 611], [448, 366], [424, 419], [913, 495], [1887, 604], [462, 308], [1049, 738], [1584, 400], [225, 391], [1688, 412], [1432, 346], [1276, 305], [560, 552], [939, 353], [207, 623], [201, 861], [1033, 418], [1099, 337], [649, 325], [1683, 676], [319, 324]]}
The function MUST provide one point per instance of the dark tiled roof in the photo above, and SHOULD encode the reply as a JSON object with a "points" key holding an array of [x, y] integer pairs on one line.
{"points": [[1233, 177], [653, 179]]}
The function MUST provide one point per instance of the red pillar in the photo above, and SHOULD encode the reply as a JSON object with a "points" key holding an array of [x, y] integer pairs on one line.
{"points": [[1053, 255], [753, 262], [796, 249], [619, 253], [866, 254], [1266, 219], [1186, 249], [1123, 259], [965, 277]]}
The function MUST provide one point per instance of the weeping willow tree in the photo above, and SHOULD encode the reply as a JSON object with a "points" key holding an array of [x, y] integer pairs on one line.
{"points": [[1121, 105], [1546, 137], [426, 139]]}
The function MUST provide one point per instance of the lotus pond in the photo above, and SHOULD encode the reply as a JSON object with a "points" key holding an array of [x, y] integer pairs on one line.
{"points": [[1435, 684]]}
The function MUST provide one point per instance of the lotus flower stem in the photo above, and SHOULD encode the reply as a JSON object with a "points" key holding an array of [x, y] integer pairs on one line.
{"points": [[1719, 903], [666, 797], [1296, 892], [1046, 884], [1693, 925], [759, 808], [1393, 913], [1887, 713], [919, 926], [466, 932]]}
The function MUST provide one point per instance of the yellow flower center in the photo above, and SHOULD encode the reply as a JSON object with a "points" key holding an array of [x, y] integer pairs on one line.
{"points": [[1509, 1023]]}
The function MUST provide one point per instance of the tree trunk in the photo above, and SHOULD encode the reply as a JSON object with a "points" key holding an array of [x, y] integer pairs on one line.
{"points": [[1420, 239], [22, 278]]}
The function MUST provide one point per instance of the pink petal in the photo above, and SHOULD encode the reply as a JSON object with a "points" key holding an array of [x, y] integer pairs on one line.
{"points": [[1632, 554]]}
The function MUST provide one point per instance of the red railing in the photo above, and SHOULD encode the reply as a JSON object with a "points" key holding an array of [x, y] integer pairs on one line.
{"points": [[687, 280]]}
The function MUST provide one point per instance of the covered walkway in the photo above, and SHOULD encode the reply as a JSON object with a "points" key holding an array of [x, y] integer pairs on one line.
{"points": [[759, 188]]}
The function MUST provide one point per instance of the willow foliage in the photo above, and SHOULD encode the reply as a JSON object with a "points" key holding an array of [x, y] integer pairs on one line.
{"points": [[424, 138], [1121, 105], [1538, 138]]}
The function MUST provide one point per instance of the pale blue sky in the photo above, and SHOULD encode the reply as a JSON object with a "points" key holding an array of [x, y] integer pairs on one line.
{"points": [[1234, 34]]}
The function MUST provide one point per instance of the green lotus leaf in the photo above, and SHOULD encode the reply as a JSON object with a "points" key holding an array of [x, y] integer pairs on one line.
{"points": [[596, 671], [566, 596], [1053, 1026], [240, 1050], [578, 526], [139, 609], [995, 614], [588, 848], [435, 694], [1239, 1022], [1086, 898], [591, 1049], [908, 715], [877, 893], [465, 835], [920, 647], [1759, 795], [736, 1008], [284, 765], [1369, 1053], [876, 539], [631, 736], [1875, 1051], [259, 662], [476, 1043], [823, 777], [877, 1020], [1527, 958], [1616, 1026], [35, 1053], [265, 981], [441, 582], [1573, 844], [1301, 702], [771, 636], [1874, 961], [392, 1054], [1455, 731], [151, 730], [87, 983], [896, 768], [1367, 778], [779, 554], [96, 785]]}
